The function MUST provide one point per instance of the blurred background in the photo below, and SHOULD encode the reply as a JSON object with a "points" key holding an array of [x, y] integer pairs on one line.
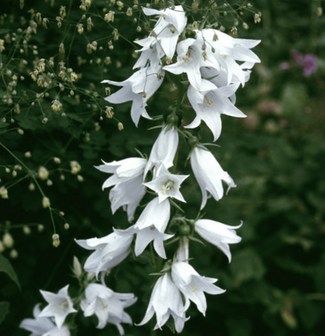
{"points": [[57, 119]]}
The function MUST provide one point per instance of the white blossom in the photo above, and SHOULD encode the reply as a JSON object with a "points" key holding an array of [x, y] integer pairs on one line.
{"points": [[166, 184], [218, 234], [163, 151], [210, 104], [127, 178], [43, 326], [151, 226], [166, 301], [109, 250], [138, 89], [209, 174], [59, 305], [168, 28], [192, 285], [107, 305]]}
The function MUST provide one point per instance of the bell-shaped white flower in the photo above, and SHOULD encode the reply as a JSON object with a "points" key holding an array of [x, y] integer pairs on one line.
{"points": [[128, 195], [43, 326], [151, 51], [123, 170], [210, 104], [166, 301], [59, 305], [209, 174], [138, 89], [109, 250], [228, 50], [218, 234], [127, 178], [192, 285], [163, 151], [151, 226], [168, 28], [107, 305], [166, 184], [190, 59]]}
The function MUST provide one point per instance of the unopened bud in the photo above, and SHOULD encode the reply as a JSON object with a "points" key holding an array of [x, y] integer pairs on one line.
{"points": [[120, 126], [46, 202], [75, 167], [43, 173], [7, 240], [56, 240], [26, 230], [13, 254], [77, 270]]}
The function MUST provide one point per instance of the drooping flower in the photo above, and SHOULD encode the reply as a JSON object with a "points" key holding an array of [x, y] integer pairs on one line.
{"points": [[166, 301], [43, 326], [138, 88], [163, 151], [218, 234], [168, 28], [127, 178], [107, 305], [209, 174], [210, 104], [192, 285], [109, 250], [190, 60], [151, 226], [228, 50], [151, 51], [166, 184], [59, 305], [123, 170]]}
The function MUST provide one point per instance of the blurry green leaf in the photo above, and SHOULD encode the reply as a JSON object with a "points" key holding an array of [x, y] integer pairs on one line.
{"points": [[310, 313], [4, 310], [239, 326], [6, 267], [74, 116], [3, 124], [27, 122], [247, 265], [294, 97], [280, 204]]}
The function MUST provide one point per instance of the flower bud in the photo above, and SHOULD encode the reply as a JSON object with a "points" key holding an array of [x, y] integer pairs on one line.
{"points": [[13, 254], [43, 173], [26, 230], [56, 240], [46, 202], [77, 270], [7, 240], [75, 167]]}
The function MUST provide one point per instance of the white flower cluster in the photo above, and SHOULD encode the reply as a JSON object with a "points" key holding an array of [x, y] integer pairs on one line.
{"points": [[215, 64], [99, 300]]}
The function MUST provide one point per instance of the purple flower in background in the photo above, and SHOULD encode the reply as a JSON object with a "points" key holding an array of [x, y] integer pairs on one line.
{"points": [[297, 58], [310, 65], [284, 66]]}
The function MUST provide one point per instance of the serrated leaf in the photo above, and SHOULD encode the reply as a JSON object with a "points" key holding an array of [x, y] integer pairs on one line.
{"points": [[4, 310], [5, 266]]}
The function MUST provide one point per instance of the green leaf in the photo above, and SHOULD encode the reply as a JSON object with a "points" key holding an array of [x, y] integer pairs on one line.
{"points": [[247, 265], [4, 310], [74, 116], [4, 31], [6, 267]]}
